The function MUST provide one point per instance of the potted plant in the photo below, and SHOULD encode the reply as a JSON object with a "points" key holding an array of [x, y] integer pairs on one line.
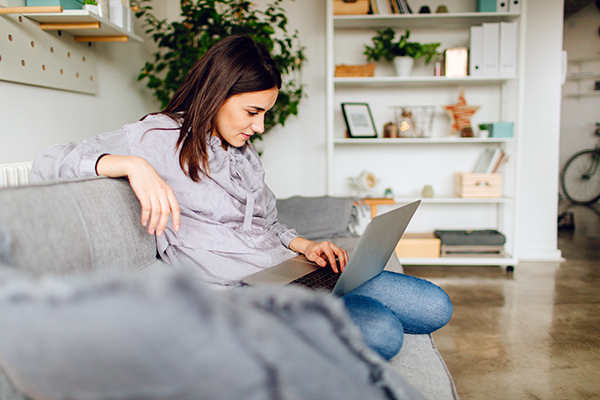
{"points": [[205, 22], [401, 52], [91, 6]]}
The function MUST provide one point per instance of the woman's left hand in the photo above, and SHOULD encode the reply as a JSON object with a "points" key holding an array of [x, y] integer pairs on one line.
{"points": [[322, 253]]}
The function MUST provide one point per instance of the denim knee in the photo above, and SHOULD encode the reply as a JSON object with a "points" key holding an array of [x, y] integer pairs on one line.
{"points": [[382, 331], [421, 306]]}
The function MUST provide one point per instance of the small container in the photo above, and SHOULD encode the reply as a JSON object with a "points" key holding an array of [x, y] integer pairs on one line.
{"points": [[470, 185], [418, 245]]}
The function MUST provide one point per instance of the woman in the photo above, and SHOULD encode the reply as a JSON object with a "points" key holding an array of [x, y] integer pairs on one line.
{"points": [[193, 163]]}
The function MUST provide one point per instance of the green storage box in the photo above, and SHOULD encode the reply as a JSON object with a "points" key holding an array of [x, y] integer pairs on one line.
{"points": [[499, 129], [486, 5], [66, 4]]}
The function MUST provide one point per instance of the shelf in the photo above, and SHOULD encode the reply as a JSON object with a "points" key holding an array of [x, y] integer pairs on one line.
{"points": [[457, 200], [387, 81], [444, 140], [84, 25], [485, 261], [411, 21]]}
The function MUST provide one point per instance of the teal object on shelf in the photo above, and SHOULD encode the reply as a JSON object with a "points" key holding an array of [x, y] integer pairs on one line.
{"points": [[500, 129], [486, 5], [66, 4]]}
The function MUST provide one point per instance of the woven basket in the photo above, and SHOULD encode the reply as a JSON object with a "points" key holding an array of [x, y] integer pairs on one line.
{"points": [[355, 70]]}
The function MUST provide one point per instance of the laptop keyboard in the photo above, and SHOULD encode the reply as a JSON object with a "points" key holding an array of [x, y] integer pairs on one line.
{"points": [[319, 279]]}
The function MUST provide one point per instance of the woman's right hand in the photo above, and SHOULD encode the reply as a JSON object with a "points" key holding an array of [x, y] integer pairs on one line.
{"points": [[155, 195]]}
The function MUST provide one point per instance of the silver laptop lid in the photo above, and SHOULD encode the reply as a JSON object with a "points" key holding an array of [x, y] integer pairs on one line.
{"points": [[375, 247]]}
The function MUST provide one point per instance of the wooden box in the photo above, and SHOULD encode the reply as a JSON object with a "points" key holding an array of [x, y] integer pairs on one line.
{"points": [[468, 184], [346, 7], [418, 245]]}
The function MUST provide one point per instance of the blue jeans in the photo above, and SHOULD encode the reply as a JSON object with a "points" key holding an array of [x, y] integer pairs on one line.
{"points": [[390, 304]]}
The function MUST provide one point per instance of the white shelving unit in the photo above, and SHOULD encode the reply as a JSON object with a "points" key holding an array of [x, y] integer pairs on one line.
{"points": [[407, 164]]}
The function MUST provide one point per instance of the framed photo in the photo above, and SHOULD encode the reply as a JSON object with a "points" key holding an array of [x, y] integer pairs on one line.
{"points": [[359, 120]]}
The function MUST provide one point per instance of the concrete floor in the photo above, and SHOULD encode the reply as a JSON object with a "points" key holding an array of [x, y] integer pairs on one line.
{"points": [[533, 334]]}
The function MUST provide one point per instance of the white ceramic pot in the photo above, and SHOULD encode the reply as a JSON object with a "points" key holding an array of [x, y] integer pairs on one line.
{"points": [[403, 65]]}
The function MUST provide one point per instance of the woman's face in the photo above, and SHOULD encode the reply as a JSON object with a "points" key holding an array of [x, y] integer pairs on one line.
{"points": [[243, 115]]}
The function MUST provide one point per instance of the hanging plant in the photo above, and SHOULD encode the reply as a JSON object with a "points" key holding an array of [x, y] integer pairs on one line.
{"points": [[205, 22]]}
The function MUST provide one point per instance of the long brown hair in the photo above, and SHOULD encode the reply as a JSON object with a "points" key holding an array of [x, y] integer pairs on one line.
{"points": [[234, 65]]}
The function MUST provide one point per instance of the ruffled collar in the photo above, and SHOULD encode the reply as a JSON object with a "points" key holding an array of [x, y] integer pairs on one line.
{"points": [[238, 171]]}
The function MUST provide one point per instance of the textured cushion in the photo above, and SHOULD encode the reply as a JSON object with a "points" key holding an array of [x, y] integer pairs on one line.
{"points": [[62, 227], [167, 336], [319, 218], [421, 364], [481, 237]]}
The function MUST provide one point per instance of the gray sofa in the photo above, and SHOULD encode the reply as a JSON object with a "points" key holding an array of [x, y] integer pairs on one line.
{"points": [[88, 311]]}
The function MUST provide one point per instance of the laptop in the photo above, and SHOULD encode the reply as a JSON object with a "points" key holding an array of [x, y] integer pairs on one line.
{"points": [[369, 258]]}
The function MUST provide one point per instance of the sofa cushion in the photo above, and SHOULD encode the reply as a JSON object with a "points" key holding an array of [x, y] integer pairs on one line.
{"points": [[63, 228], [168, 336], [319, 218]]}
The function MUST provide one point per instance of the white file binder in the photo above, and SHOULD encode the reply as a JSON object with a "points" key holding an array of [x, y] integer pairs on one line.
{"points": [[508, 49], [514, 6], [476, 51], [502, 5], [491, 50]]}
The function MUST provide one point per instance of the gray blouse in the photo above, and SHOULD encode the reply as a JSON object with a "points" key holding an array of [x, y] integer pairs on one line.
{"points": [[229, 226]]}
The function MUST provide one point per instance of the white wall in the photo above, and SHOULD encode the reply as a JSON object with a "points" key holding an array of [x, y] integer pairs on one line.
{"points": [[33, 118], [581, 41], [294, 156]]}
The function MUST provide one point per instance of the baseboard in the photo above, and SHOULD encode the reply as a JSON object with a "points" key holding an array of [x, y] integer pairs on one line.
{"points": [[541, 255]]}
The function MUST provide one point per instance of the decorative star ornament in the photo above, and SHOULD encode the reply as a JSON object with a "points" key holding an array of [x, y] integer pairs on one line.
{"points": [[461, 114]]}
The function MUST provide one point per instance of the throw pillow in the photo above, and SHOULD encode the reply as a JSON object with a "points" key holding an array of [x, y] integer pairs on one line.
{"points": [[167, 336]]}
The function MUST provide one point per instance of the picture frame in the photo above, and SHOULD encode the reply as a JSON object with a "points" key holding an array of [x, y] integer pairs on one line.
{"points": [[359, 120]]}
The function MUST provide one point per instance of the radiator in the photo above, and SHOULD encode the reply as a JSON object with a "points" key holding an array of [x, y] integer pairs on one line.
{"points": [[16, 174]]}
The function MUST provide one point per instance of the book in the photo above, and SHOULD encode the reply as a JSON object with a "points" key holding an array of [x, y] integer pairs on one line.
{"points": [[374, 8], [490, 161], [500, 163], [483, 161]]}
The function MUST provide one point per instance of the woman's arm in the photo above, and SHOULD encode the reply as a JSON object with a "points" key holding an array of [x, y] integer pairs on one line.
{"points": [[109, 154], [155, 195]]}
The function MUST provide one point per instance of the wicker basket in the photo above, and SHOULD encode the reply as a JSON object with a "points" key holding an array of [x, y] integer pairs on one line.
{"points": [[355, 70]]}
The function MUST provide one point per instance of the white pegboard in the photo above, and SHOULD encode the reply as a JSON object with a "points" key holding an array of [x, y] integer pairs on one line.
{"points": [[32, 56]]}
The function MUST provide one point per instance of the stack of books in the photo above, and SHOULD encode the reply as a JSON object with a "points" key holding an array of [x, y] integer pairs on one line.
{"points": [[387, 7]]}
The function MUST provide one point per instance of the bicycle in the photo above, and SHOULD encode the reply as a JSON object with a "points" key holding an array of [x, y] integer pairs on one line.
{"points": [[580, 177]]}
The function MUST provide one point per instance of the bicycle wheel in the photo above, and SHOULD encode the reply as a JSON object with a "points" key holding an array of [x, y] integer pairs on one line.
{"points": [[580, 179]]}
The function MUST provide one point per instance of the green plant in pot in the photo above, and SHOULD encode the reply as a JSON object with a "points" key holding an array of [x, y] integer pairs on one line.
{"points": [[90, 5], [202, 23], [401, 51]]}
